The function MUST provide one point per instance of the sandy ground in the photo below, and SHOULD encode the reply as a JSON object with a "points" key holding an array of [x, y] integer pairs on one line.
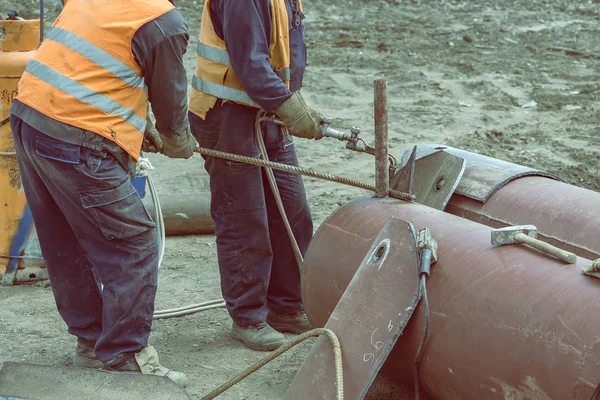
{"points": [[483, 76]]}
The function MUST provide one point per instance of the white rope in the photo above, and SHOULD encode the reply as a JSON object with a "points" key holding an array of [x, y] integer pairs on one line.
{"points": [[143, 168], [593, 269]]}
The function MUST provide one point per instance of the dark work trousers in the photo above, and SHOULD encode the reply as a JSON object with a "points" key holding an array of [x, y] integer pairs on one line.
{"points": [[93, 229], [256, 261]]}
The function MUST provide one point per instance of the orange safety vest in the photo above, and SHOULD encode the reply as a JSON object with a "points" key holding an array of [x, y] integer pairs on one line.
{"points": [[214, 77], [85, 74]]}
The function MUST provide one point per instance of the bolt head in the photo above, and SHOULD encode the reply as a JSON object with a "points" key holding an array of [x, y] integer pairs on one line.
{"points": [[354, 130]]}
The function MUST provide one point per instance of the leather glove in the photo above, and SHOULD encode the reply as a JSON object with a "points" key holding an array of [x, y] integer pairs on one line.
{"points": [[181, 145], [300, 120], [152, 142]]}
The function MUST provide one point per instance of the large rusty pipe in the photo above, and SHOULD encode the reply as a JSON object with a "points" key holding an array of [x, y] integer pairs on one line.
{"points": [[506, 322], [566, 216], [498, 193], [184, 214]]}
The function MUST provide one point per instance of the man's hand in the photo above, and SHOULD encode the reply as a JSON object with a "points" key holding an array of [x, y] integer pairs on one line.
{"points": [[179, 146], [300, 120], [152, 142]]}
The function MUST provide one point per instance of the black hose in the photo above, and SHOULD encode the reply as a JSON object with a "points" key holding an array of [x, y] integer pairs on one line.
{"points": [[596, 394], [426, 329]]}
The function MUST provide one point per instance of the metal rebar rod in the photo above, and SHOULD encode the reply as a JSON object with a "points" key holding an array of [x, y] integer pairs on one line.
{"points": [[41, 22], [301, 171], [382, 172]]}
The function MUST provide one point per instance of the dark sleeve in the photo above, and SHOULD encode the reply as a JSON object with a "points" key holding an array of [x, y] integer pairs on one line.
{"points": [[158, 47], [245, 26]]}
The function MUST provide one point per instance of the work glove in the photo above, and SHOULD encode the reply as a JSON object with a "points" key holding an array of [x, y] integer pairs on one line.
{"points": [[300, 120], [181, 145], [152, 142]]}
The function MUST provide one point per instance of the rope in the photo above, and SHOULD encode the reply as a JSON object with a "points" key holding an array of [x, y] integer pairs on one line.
{"points": [[191, 309], [21, 257], [300, 171], [337, 351], [142, 169]]}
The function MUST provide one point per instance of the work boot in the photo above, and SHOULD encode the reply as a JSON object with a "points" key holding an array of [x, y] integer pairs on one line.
{"points": [[295, 323], [259, 337], [146, 362], [85, 356]]}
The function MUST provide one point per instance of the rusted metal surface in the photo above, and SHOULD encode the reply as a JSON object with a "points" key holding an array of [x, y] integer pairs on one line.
{"points": [[370, 316], [403, 179], [435, 179], [566, 216], [382, 172], [483, 175], [20, 381], [506, 322]]}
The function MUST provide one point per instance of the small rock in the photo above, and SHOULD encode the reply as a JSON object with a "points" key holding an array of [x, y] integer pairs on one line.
{"points": [[571, 107], [530, 104]]}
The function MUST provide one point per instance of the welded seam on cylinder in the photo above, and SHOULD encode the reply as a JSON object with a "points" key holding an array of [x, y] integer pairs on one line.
{"points": [[490, 220]]}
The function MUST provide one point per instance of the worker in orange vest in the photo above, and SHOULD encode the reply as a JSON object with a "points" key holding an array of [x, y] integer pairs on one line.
{"points": [[252, 56], [79, 122]]}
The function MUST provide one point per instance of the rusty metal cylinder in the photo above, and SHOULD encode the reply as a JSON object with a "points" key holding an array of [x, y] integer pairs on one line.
{"points": [[506, 322], [499, 193], [184, 213], [566, 216]]}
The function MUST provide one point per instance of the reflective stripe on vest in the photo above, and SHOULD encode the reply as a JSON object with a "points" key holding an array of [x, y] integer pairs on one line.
{"points": [[85, 73], [212, 53], [214, 76], [222, 57], [84, 94], [97, 55], [222, 92]]}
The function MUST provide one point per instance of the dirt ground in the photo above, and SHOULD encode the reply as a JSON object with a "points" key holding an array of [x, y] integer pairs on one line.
{"points": [[490, 77]]}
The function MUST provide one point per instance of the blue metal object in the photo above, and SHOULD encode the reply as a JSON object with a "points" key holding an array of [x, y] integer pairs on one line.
{"points": [[17, 247], [139, 183]]}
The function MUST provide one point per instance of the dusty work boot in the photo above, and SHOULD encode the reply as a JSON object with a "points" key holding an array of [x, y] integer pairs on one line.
{"points": [[259, 337], [146, 362], [85, 356], [296, 323]]}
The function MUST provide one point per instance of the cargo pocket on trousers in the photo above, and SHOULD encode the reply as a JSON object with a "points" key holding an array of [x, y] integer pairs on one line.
{"points": [[57, 150], [118, 212]]}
